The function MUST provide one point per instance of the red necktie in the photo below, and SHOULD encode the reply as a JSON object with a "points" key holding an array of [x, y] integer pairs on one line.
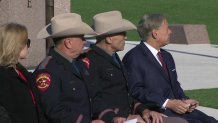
{"points": [[164, 66]]}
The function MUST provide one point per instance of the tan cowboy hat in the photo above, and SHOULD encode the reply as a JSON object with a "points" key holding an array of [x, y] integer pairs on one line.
{"points": [[110, 23], [65, 25]]}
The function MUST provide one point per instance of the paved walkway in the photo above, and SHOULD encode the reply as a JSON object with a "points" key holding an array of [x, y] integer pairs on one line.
{"points": [[197, 67]]}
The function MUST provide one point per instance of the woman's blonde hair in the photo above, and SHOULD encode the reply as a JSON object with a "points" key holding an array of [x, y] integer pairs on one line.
{"points": [[13, 38]]}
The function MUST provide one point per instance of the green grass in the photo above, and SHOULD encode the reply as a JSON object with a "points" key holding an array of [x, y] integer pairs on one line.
{"points": [[206, 97], [177, 11]]}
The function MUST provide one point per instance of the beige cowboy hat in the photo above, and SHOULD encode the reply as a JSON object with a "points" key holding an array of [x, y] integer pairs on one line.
{"points": [[65, 25], [110, 23]]}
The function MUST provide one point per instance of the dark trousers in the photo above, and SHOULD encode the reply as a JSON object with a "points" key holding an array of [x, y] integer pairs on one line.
{"points": [[194, 117], [174, 120]]}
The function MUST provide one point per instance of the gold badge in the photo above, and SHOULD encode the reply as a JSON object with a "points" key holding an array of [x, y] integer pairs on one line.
{"points": [[43, 81]]}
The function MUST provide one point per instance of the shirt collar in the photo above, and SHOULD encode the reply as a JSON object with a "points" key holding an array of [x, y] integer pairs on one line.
{"points": [[63, 55], [152, 49]]}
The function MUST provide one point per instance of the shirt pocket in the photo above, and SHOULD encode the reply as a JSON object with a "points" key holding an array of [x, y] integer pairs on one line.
{"points": [[107, 74], [73, 91], [72, 86]]}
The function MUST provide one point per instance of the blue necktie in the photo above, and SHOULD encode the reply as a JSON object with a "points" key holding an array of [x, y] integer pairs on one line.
{"points": [[115, 59], [75, 68]]}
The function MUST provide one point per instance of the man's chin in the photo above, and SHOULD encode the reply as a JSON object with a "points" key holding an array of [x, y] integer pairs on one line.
{"points": [[167, 42]]}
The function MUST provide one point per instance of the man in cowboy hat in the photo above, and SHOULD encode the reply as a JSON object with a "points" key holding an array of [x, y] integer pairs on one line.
{"points": [[62, 92], [111, 100]]}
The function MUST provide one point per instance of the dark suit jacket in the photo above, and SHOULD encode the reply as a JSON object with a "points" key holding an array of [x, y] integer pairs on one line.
{"points": [[148, 82]]}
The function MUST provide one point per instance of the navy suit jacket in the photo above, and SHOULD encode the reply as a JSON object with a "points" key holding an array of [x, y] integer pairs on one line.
{"points": [[148, 82]]}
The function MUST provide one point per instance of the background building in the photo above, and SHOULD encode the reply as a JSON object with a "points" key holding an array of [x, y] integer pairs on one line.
{"points": [[32, 14]]}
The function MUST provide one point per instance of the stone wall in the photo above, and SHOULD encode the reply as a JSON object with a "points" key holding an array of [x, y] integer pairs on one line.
{"points": [[61, 6], [189, 34], [31, 13]]}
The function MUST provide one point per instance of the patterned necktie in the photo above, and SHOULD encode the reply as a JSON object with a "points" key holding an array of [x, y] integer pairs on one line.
{"points": [[164, 66]]}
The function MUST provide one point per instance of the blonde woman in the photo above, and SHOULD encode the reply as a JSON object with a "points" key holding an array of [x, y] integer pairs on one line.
{"points": [[15, 92]]}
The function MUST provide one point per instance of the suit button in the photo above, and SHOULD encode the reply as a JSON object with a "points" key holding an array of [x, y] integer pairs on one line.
{"points": [[112, 74], [74, 89], [90, 99]]}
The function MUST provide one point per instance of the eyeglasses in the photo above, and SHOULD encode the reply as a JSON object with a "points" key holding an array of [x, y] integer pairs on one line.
{"points": [[28, 43]]}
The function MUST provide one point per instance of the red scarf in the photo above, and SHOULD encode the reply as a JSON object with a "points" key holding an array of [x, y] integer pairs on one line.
{"points": [[25, 80]]}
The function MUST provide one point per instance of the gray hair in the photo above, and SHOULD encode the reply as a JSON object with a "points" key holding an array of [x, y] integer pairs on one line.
{"points": [[147, 23]]}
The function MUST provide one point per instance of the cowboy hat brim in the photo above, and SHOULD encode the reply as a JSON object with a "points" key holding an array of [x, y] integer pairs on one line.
{"points": [[80, 29], [125, 26]]}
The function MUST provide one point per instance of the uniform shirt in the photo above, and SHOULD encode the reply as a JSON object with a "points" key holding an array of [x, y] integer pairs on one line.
{"points": [[62, 92]]}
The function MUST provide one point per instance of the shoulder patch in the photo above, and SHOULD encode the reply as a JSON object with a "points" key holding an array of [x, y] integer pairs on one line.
{"points": [[86, 61], [44, 63], [43, 81]]}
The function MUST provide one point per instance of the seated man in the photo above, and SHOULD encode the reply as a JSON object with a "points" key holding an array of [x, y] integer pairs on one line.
{"points": [[108, 86], [153, 75], [62, 92]]}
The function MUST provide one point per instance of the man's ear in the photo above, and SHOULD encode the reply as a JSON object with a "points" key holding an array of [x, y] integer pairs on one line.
{"points": [[108, 39], [154, 33], [67, 43]]}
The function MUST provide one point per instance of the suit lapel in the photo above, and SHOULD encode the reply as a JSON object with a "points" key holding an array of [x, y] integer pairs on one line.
{"points": [[152, 59], [168, 63]]}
